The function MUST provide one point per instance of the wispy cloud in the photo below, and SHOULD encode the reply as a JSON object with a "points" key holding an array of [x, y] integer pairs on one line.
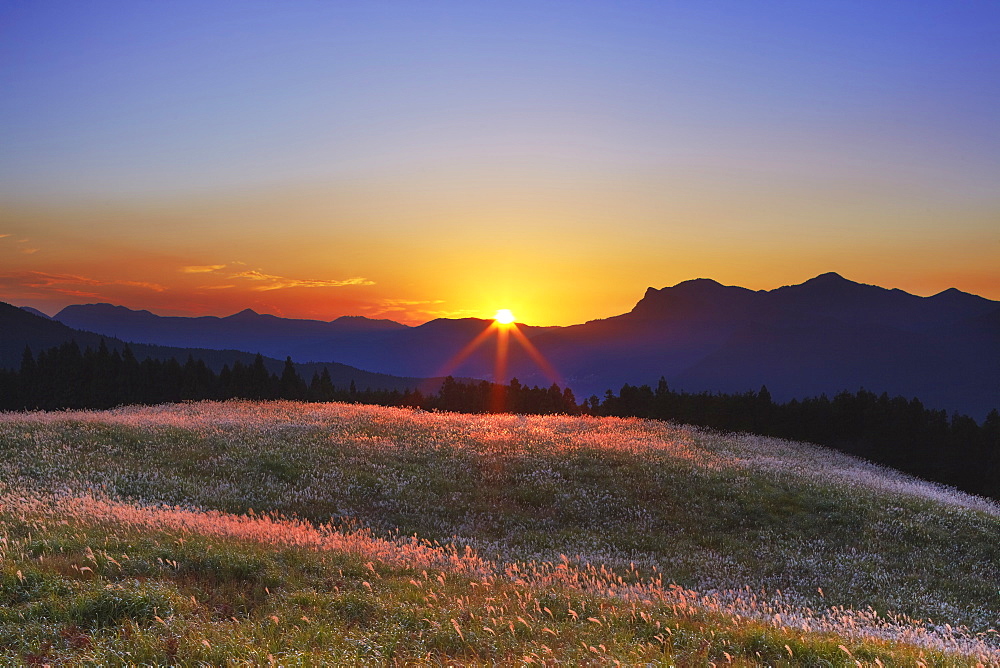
{"points": [[266, 281], [20, 248], [156, 287], [273, 282], [415, 310], [74, 293], [402, 304], [68, 283], [202, 268]]}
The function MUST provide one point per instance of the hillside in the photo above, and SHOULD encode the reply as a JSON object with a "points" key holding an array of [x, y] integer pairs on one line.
{"points": [[554, 538]]}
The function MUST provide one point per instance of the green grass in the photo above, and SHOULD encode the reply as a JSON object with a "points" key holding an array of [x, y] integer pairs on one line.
{"points": [[177, 599], [637, 507]]}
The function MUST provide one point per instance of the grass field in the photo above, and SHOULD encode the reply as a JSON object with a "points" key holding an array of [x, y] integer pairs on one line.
{"points": [[317, 534]]}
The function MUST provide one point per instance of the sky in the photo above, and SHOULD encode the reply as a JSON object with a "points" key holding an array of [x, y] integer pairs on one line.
{"points": [[413, 160]]}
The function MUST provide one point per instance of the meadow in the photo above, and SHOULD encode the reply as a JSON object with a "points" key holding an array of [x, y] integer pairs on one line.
{"points": [[236, 533]]}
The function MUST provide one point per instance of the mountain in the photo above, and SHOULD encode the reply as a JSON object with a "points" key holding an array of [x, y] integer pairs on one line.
{"points": [[303, 340], [20, 328], [825, 335], [34, 311], [422, 351], [822, 336]]}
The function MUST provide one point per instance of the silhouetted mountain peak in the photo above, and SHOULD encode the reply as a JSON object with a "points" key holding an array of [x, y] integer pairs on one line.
{"points": [[34, 311], [18, 314], [832, 285], [828, 278], [699, 284], [699, 297], [102, 310], [245, 314], [956, 296]]}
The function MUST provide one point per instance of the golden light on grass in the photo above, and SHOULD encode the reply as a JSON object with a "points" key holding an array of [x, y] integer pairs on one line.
{"points": [[596, 607]]}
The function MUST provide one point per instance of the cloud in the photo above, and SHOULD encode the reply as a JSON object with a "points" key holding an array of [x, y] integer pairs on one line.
{"points": [[156, 287], [266, 281], [21, 249], [41, 279], [278, 282], [453, 313], [202, 268], [415, 310], [402, 304], [75, 293], [65, 283]]}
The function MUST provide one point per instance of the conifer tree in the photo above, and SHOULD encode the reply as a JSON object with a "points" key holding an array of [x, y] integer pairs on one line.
{"points": [[292, 386]]}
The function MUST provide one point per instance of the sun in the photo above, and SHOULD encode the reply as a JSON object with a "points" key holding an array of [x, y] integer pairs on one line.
{"points": [[504, 316]]}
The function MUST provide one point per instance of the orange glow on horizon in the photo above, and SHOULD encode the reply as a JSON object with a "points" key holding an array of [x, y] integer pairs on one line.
{"points": [[504, 316]]}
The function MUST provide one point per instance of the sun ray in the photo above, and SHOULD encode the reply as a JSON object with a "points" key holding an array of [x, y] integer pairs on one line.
{"points": [[498, 395], [536, 356], [504, 326], [460, 357]]}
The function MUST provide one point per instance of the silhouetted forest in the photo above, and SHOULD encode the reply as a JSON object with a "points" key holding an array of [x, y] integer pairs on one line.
{"points": [[894, 431], [66, 377], [898, 432]]}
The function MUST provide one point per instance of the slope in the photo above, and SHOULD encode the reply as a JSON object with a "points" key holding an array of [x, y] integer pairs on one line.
{"points": [[732, 544]]}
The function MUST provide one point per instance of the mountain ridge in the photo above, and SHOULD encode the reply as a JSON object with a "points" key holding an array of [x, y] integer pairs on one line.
{"points": [[19, 328], [822, 336]]}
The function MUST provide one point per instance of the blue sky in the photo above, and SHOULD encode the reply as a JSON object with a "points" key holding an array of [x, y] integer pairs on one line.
{"points": [[852, 136]]}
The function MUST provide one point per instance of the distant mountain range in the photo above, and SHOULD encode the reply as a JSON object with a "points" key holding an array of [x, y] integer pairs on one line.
{"points": [[370, 344], [822, 336], [21, 327]]}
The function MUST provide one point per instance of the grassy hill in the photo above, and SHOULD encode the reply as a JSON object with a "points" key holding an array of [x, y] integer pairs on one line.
{"points": [[313, 534]]}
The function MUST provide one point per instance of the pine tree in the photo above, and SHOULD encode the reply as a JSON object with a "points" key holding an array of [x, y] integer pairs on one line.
{"points": [[292, 385], [260, 379]]}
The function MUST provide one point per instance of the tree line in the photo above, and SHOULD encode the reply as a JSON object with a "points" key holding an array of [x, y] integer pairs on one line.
{"points": [[67, 377], [894, 431], [900, 433]]}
